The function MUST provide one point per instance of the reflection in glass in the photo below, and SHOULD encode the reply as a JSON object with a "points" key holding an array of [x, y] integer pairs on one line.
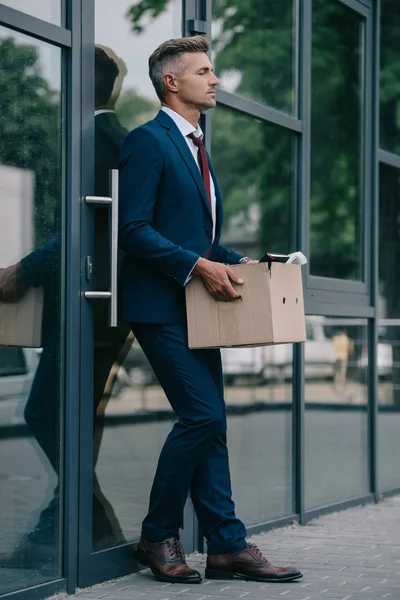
{"points": [[133, 417], [131, 35], [30, 198], [336, 395], [254, 166], [258, 396], [254, 50], [47, 10], [336, 142], [389, 78], [137, 419], [388, 350]]}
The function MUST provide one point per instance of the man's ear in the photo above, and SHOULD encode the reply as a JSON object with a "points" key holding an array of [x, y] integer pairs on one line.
{"points": [[170, 83]]}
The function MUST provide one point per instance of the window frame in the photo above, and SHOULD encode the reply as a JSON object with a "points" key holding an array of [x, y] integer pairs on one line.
{"points": [[334, 291]]}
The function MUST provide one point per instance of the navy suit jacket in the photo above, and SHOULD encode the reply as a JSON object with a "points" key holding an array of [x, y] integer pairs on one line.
{"points": [[165, 222]]}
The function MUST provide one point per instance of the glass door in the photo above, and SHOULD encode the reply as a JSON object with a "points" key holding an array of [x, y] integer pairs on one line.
{"points": [[32, 177], [125, 415]]}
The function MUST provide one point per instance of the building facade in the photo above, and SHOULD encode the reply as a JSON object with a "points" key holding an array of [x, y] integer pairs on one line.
{"points": [[305, 142]]}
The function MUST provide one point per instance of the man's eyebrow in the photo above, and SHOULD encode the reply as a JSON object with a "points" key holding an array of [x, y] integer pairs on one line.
{"points": [[205, 69]]}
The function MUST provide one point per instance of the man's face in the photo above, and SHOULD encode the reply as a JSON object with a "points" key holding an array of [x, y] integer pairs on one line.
{"points": [[196, 82]]}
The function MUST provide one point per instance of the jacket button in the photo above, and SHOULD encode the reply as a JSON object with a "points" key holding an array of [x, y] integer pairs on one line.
{"points": [[208, 231]]}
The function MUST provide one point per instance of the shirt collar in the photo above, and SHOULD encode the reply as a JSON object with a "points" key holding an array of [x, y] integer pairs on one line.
{"points": [[102, 111], [184, 126]]}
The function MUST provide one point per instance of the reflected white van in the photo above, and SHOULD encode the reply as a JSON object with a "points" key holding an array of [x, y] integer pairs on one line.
{"points": [[268, 363]]}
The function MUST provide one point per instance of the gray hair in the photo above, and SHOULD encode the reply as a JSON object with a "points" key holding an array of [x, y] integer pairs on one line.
{"points": [[167, 56]]}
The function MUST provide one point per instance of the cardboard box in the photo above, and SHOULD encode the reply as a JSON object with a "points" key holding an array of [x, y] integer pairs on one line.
{"points": [[270, 310], [21, 322]]}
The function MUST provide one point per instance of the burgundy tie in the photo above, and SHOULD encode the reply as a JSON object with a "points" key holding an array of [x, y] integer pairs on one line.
{"points": [[205, 173], [203, 163]]}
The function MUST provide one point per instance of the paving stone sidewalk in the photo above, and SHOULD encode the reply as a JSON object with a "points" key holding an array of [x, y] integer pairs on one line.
{"points": [[349, 555]]}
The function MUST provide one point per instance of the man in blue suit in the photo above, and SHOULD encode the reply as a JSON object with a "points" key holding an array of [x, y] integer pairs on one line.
{"points": [[170, 226]]}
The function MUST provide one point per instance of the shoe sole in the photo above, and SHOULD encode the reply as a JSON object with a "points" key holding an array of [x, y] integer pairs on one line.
{"points": [[159, 576], [224, 575]]}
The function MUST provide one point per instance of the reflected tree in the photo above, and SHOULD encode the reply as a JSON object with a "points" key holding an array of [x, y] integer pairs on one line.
{"points": [[134, 110], [29, 128]]}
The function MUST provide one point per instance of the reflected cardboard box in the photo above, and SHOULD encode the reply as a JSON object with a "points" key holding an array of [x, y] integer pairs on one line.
{"points": [[21, 322], [270, 310]]}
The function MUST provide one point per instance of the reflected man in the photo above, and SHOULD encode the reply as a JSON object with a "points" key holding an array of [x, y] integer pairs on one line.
{"points": [[41, 268]]}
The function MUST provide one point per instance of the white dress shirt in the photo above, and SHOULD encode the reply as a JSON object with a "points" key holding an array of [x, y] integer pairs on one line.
{"points": [[186, 128]]}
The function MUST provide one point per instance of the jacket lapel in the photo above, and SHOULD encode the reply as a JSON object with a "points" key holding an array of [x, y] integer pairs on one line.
{"points": [[177, 138]]}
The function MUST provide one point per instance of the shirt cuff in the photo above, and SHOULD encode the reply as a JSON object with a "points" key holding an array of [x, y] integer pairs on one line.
{"points": [[189, 277]]}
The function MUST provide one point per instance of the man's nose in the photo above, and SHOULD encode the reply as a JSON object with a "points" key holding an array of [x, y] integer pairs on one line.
{"points": [[216, 81]]}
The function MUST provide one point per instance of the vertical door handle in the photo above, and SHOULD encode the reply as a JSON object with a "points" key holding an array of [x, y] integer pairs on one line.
{"points": [[112, 201]]}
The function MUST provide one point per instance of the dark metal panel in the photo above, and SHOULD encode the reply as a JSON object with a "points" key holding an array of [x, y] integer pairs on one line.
{"points": [[107, 564], [324, 510], [388, 158], [390, 493], [337, 285], [72, 314], [350, 299], [259, 111], [42, 30], [337, 309], [373, 414], [44, 590], [302, 241], [86, 219], [367, 3], [358, 5], [368, 153], [190, 15], [268, 525], [297, 57], [298, 430]]}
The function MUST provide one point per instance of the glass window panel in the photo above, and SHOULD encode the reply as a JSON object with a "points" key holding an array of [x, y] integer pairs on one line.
{"points": [[254, 49], [389, 76], [388, 350], [254, 165], [258, 396], [133, 420], [336, 422], [133, 414], [47, 10], [336, 203], [30, 228]]}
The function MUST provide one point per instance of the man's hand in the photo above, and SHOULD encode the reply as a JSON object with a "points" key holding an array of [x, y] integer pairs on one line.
{"points": [[13, 285], [217, 279]]}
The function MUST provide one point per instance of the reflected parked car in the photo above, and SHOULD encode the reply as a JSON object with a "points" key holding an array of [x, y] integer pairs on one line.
{"points": [[275, 362], [384, 357]]}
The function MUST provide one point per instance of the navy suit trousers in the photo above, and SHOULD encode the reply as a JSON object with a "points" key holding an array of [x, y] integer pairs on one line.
{"points": [[194, 457]]}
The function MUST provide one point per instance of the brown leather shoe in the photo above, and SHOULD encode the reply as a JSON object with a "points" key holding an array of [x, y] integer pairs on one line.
{"points": [[166, 560], [248, 564]]}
